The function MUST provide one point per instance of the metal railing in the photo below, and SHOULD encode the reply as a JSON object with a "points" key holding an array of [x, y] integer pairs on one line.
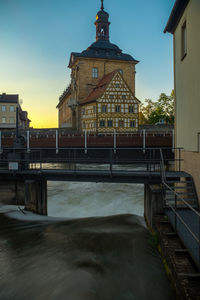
{"points": [[176, 210], [150, 158]]}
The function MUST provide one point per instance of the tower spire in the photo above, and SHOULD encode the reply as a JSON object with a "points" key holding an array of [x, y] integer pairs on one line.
{"points": [[102, 8]]}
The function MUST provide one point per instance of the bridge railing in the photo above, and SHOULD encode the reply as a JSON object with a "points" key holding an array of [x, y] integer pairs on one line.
{"points": [[59, 138], [144, 160]]}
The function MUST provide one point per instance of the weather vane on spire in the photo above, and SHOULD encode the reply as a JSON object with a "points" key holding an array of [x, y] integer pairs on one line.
{"points": [[102, 8]]}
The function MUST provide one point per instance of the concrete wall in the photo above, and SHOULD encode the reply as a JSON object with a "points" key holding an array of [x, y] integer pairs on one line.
{"points": [[12, 193], [153, 202], [36, 196], [187, 79]]}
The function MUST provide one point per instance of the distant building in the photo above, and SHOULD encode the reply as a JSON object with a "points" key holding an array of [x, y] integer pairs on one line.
{"points": [[184, 24], [8, 105], [102, 76]]}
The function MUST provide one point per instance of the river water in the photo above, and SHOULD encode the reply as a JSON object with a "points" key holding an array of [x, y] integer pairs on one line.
{"points": [[100, 249]]}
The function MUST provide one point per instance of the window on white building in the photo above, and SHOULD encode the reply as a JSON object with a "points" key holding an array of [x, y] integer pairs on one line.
{"points": [[184, 40], [12, 120], [12, 108], [3, 108], [3, 119]]}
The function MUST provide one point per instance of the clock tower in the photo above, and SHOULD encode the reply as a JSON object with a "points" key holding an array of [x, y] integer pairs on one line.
{"points": [[102, 24]]}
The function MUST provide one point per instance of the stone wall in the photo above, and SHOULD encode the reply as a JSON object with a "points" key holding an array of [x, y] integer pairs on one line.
{"points": [[12, 193]]}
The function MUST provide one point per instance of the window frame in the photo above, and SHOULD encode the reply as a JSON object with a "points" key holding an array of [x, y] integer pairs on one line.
{"points": [[104, 108], [95, 73], [132, 122], [117, 111], [12, 106], [121, 123], [102, 123], [2, 120], [110, 123], [2, 108], [13, 120], [183, 40], [131, 109]]}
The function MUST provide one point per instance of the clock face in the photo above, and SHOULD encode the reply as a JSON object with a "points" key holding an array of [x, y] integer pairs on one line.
{"points": [[97, 17]]}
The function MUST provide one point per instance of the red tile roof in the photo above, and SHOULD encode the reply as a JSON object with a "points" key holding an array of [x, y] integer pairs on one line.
{"points": [[99, 90]]}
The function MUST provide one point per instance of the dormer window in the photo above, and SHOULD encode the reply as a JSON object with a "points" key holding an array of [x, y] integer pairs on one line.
{"points": [[121, 71], [94, 72]]}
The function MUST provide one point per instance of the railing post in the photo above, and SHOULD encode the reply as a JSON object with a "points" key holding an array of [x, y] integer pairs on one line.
{"points": [[28, 140], [57, 141], [115, 141], [173, 141], [144, 140], [85, 142]]}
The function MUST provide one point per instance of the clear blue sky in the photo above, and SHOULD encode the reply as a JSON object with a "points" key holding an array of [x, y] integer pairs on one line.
{"points": [[37, 37]]}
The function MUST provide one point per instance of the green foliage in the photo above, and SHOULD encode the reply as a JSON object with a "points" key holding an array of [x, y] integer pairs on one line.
{"points": [[152, 112]]}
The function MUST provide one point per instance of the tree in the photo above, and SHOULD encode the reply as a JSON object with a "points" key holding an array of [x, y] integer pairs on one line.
{"points": [[163, 109]]}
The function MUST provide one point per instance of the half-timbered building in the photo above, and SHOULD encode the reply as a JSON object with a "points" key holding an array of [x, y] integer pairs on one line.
{"points": [[88, 70], [110, 106]]}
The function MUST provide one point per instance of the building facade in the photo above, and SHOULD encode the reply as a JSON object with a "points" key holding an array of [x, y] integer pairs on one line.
{"points": [[110, 106], [8, 105], [88, 68], [184, 24]]}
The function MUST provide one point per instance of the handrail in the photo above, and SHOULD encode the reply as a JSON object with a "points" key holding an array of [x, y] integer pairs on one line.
{"points": [[174, 209]]}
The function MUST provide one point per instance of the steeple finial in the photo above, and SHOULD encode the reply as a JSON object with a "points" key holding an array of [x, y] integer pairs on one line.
{"points": [[102, 8]]}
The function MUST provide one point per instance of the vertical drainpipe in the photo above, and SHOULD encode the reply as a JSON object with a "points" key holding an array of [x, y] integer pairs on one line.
{"points": [[144, 140], [85, 142], [57, 150]]}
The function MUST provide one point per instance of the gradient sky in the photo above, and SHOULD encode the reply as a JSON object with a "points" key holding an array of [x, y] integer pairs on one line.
{"points": [[37, 37]]}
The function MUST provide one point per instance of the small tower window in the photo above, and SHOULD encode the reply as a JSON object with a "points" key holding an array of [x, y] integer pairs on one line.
{"points": [[121, 71], [94, 72]]}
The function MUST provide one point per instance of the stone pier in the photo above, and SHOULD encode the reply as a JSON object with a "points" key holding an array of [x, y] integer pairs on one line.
{"points": [[153, 202], [36, 196]]}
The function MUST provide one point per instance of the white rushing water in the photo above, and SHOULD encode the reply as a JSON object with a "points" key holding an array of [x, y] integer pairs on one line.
{"points": [[86, 199], [77, 200]]}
